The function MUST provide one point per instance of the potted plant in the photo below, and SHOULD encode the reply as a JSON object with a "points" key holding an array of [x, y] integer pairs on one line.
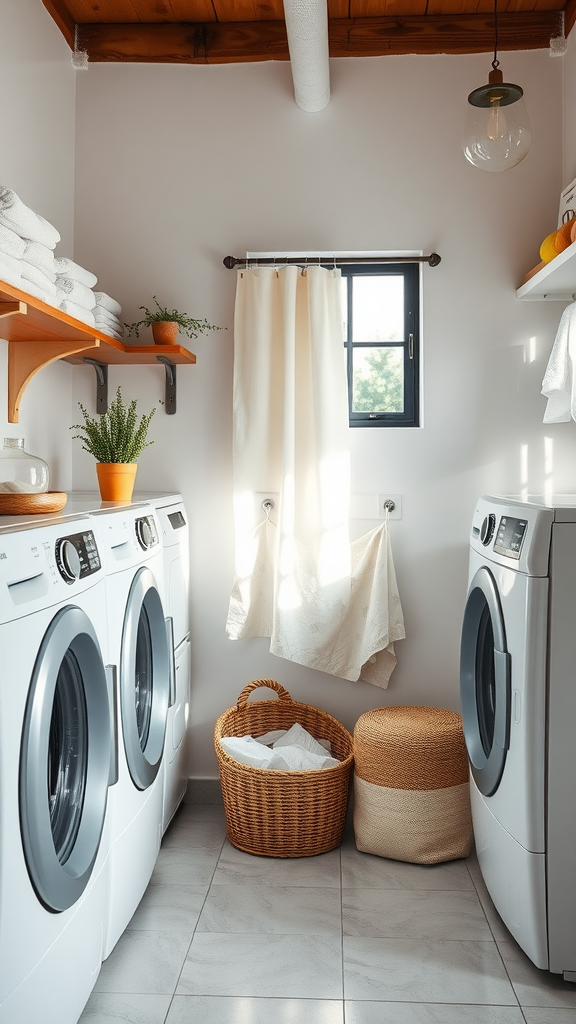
{"points": [[115, 439], [166, 323]]}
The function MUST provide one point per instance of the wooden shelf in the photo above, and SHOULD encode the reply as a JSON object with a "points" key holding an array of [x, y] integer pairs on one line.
{"points": [[39, 334], [554, 281]]}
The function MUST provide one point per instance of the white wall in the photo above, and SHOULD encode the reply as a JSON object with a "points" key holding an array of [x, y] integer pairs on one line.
{"points": [[37, 84], [179, 166]]}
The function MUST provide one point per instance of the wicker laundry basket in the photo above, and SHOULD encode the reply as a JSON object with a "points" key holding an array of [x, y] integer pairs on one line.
{"points": [[283, 813], [411, 789]]}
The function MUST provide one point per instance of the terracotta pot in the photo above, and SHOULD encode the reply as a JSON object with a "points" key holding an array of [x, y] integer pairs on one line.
{"points": [[116, 480], [165, 332]]}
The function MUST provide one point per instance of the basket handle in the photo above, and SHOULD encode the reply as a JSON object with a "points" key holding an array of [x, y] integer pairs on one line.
{"points": [[255, 685]]}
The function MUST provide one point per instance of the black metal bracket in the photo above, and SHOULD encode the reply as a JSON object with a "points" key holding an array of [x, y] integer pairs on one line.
{"points": [[101, 384], [170, 398]]}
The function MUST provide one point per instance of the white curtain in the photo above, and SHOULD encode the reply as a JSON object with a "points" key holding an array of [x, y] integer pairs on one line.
{"points": [[323, 602]]}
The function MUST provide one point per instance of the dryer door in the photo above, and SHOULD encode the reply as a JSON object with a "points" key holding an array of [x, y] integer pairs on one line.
{"points": [[485, 683], [144, 679], [65, 760]]}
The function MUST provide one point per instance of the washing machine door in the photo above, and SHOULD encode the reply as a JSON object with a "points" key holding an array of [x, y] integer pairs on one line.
{"points": [[144, 679], [65, 760], [485, 683]]}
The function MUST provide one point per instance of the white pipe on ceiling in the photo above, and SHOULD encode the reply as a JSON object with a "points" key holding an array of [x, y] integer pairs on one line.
{"points": [[307, 30]]}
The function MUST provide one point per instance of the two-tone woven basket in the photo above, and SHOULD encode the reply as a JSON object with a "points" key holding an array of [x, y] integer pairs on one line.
{"points": [[283, 813]]}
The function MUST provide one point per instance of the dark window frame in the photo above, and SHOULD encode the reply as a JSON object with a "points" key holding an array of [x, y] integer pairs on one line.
{"points": [[410, 417]]}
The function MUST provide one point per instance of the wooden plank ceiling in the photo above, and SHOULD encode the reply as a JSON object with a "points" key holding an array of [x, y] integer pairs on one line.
{"points": [[234, 31]]}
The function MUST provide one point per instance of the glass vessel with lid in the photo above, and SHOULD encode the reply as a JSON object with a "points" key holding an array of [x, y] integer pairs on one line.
{"points": [[20, 472]]}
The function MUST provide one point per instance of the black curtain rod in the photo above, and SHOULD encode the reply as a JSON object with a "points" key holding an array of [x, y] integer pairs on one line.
{"points": [[270, 261]]}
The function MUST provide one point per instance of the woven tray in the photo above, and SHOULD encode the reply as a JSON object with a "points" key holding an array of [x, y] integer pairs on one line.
{"points": [[280, 813], [14, 504]]}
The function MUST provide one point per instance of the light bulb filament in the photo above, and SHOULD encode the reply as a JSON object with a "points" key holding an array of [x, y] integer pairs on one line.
{"points": [[497, 127]]}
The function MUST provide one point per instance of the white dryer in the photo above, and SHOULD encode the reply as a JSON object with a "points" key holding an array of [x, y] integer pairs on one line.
{"points": [[173, 521], [55, 763], [518, 696], [138, 647]]}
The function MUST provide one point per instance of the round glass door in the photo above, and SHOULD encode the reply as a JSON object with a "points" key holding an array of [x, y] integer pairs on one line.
{"points": [[144, 679], [65, 760], [485, 683]]}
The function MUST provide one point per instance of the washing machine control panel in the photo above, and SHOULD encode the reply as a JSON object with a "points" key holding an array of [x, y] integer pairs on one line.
{"points": [[510, 536], [77, 556], [146, 532]]}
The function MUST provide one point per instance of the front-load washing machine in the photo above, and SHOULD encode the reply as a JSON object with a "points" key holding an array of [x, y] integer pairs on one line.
{"points": [[55, 764], [138, 647], [518, 696], [173, 522]]}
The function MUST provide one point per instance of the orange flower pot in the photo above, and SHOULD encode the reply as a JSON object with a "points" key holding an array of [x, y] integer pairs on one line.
{"points": [[116, 480], [165, 332]]}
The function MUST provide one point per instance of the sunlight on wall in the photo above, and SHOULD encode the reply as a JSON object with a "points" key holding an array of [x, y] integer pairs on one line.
{"points": [[548, 469], [531, 350], [524, 472]]}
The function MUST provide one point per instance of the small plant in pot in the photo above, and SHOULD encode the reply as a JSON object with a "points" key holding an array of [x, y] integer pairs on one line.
{"points": [[167, 323], [116, 440]]}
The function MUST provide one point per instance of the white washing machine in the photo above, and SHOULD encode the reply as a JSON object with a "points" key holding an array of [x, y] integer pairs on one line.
{"points": [[138, 647], [173, 521], [55, 765], [518, 695]]}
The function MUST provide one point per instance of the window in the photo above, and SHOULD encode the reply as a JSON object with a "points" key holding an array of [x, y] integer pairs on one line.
{"points": [[381, 340]]}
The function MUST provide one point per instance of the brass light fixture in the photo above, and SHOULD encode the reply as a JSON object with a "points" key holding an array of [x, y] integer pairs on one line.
{"points": [[497, 131]]}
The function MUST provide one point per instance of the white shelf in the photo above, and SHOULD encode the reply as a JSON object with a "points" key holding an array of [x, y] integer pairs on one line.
{"points": [[555, 282]]}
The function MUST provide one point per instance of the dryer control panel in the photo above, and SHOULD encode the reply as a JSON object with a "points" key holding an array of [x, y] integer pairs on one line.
{"points": [[77, 556]]}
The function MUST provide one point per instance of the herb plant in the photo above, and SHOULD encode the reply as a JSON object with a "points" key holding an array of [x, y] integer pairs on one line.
{"points": [[116, 436], [187, 325]]}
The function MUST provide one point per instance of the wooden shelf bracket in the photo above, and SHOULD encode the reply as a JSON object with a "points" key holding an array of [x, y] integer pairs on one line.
{"points": [[101, 384], [25, 359], [170, 395]]}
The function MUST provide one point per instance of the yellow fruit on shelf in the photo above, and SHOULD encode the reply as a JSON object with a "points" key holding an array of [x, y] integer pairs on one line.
{"points": [[563, 236], [548, 250]]}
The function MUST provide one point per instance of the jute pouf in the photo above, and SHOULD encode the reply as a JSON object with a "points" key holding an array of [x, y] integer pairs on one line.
{"points": [[411, 791]]}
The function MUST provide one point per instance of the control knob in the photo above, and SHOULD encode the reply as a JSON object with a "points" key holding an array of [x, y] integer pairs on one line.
{"points": [[68, 561], [488, 527], [144, 534]]}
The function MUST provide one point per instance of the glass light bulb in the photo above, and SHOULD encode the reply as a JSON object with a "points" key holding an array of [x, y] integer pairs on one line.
{"points": [[493, 141]]}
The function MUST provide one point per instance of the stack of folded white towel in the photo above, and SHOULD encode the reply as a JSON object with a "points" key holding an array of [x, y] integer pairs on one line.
{"points": [[27, 261], [294, 750]]}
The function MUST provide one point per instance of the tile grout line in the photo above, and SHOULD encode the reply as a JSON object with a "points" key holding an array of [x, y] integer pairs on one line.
{"points": [[194, 930]]}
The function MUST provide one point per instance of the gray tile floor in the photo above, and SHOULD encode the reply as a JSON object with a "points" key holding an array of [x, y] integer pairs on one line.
{"points": [[222, 937]]}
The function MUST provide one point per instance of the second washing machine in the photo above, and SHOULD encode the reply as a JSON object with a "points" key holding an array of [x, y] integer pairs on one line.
{"points": [[518, 696], [138, 648]]}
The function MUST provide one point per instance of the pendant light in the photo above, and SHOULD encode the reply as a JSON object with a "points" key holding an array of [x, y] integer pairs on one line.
{"points": [[497, 130]]}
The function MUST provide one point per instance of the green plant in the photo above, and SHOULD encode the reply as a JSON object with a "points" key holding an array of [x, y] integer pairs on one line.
{"points": [[116, 436], [187, 325]]}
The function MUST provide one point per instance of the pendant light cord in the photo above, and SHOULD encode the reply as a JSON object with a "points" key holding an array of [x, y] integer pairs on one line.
{"points": [[495, 62]]}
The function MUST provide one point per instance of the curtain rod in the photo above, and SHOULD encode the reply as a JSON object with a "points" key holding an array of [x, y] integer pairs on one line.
{"points": [[269, 261]]}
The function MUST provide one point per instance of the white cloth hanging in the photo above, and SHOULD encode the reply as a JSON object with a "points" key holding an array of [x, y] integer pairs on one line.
{"points": [[323, 603], [559, 384]]}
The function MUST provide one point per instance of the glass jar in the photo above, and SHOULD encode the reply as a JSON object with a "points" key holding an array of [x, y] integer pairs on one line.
{"points": [[21, 472]]}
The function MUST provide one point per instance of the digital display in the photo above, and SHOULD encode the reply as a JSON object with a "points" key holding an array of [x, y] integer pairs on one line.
{"points": [[510, 536], [176, 520]]}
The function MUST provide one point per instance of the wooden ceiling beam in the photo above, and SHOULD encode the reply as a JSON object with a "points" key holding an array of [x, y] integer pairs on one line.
{"points": [[240, 42]]}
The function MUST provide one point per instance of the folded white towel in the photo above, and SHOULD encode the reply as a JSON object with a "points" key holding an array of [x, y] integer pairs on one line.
{"points": [[106, 329], [78, 312], [39, 278], [70, 269], [10, 271], [11, 244], [103, 316], [20, 218], [76, 292], [40, 256], [47, 296], [102, 299], [559, 384]]}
